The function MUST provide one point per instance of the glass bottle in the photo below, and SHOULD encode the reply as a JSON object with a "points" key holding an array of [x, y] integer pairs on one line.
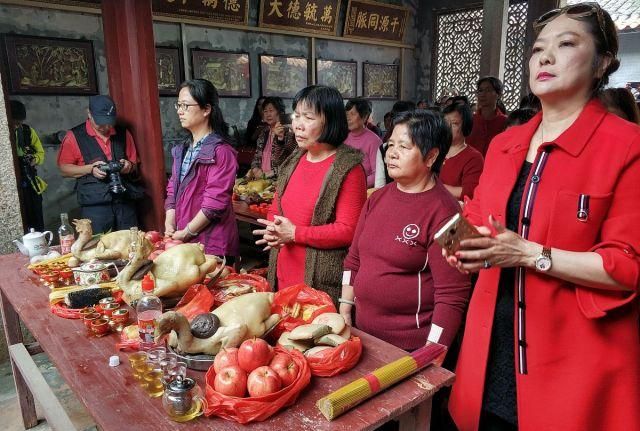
{"points": [[66, 234], [148, 310]]}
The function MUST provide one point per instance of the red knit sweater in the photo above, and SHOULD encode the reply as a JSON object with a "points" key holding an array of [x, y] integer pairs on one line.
{"points": [[403, 286], [463, 170], [298, 202]]}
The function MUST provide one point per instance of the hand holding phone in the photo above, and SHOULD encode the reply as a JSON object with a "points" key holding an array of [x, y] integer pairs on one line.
{"points": [[455, 230]]}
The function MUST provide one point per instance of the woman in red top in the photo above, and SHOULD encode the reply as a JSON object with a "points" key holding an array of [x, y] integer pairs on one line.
{"points": [[463, 164], [488, 120], [319, 194], [406, 293], [552, 340]]}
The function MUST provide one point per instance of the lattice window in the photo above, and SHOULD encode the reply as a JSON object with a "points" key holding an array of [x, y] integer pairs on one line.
{"points": [[458, 51], [514, 55], [458, 48]]}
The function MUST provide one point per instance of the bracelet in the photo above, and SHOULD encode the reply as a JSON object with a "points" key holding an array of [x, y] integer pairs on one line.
{"points": [[190, 232], [346, 301]]}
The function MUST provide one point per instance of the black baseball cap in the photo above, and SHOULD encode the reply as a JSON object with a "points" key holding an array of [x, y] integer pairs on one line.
{"points": [[103, 110]]}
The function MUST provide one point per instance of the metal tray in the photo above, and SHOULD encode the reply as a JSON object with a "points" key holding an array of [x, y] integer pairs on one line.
{"points": [[200, 362]]}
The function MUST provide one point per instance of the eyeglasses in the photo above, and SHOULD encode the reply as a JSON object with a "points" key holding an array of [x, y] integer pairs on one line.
{"points": [[480, 91], [183, 106], [574, 11]]}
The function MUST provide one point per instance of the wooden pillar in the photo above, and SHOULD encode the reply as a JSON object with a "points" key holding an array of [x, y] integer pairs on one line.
{"points": [[131, 65], [534, 10], [494, 37]]}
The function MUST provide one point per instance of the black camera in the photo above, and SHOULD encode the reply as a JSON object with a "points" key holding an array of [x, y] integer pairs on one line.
{"points": [[113, 169]]}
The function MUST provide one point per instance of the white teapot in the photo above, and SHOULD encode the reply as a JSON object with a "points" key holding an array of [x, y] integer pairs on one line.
{"points": [[34, 243]]}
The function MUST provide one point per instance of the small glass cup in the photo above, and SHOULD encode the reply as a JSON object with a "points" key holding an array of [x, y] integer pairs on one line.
{"points": [[152, 383], [137, 357], [157, 354], [173, 371], [140, 369]]}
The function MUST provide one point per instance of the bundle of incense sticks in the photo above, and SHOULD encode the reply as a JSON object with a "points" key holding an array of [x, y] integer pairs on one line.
{"points": [[354, 393]]}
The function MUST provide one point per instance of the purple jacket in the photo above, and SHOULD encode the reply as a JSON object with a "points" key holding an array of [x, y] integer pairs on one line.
{"points": [[208, 186]]}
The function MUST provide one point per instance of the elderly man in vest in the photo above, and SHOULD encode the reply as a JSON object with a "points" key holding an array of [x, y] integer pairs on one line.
{"points": [[102, 158]]}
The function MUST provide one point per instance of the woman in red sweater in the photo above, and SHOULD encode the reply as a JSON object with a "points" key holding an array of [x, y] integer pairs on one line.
{"points": [[463, 164], [320, 191], [395, 274]]}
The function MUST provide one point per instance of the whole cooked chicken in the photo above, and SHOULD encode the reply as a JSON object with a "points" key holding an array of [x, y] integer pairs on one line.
{"points": [[241, 318], [173, 271], [112, 245]]}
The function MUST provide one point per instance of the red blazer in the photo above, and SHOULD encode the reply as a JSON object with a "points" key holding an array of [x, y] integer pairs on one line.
{"points": [[583, 345]]}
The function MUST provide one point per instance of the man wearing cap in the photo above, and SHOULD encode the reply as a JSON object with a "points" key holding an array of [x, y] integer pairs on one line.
{"points": [[88, 146], [30, 154]]}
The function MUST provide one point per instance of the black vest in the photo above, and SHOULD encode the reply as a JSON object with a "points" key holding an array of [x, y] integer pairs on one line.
{"points": [[89, 189]]}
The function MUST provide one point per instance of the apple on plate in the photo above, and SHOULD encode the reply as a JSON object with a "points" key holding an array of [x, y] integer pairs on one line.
{"points": [[285, 367], [263, 381], [254, 353], [231, 381], [227, 356]]}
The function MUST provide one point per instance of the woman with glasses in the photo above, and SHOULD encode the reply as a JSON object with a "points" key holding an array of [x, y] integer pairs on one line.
{"points": [[198, 205], [552, 337], [488, 119]]}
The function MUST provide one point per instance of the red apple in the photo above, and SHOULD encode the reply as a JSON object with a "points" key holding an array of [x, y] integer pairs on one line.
{"points": [[225, 358], [231, 381], [153, 236], [263, 381], [285, 367], [254, 353]]}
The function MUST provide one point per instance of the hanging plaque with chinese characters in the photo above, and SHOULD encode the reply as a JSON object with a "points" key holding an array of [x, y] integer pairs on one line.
{"points": [[372, 20], [314, 16], [222, 11]]}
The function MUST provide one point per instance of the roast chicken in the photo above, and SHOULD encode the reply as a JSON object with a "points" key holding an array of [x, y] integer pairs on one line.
{"points": [[241, 318], [110, 246], [173, 271]]}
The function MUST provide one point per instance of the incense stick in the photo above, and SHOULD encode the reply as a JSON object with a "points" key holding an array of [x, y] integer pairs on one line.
{"points": [[354, 393]]}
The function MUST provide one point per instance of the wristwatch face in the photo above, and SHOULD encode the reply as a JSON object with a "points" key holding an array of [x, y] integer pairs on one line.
{"points": [[543, 263]]}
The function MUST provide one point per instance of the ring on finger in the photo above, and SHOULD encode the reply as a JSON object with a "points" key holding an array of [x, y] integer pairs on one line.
{"points": [[487, 264]]}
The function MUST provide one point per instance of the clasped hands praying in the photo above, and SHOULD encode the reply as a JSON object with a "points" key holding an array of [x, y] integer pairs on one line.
{"points": [[276, 233]]}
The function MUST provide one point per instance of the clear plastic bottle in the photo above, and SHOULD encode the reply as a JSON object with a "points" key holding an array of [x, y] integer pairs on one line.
{"points": [[148, 309], [66, 234]]}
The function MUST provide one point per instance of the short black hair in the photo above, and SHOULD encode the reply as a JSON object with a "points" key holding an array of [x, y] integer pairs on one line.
{"points": [[18, 110], [326, 101], [402, 106], [459, 99], [276, 102], [494, 82], [363, 106], [465, 114], [519, 116], [427, 130]]}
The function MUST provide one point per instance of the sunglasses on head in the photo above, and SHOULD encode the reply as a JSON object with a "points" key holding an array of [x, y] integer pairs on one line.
{"points": [[581, 10]]}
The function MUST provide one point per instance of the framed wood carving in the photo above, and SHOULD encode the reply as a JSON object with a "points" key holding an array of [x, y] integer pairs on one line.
{"points": [[230, 72], [168, 70], [282, 76], [380, 81], [44, 65], [342, 75]]}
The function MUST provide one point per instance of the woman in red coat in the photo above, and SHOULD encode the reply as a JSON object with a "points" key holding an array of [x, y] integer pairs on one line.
{"points": [[552, 334]]}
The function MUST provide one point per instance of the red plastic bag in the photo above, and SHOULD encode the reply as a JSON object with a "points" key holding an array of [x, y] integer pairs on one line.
{"points": [[250, 409], [338, 360], [196, 300], [255, 282], [312, 303]]}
